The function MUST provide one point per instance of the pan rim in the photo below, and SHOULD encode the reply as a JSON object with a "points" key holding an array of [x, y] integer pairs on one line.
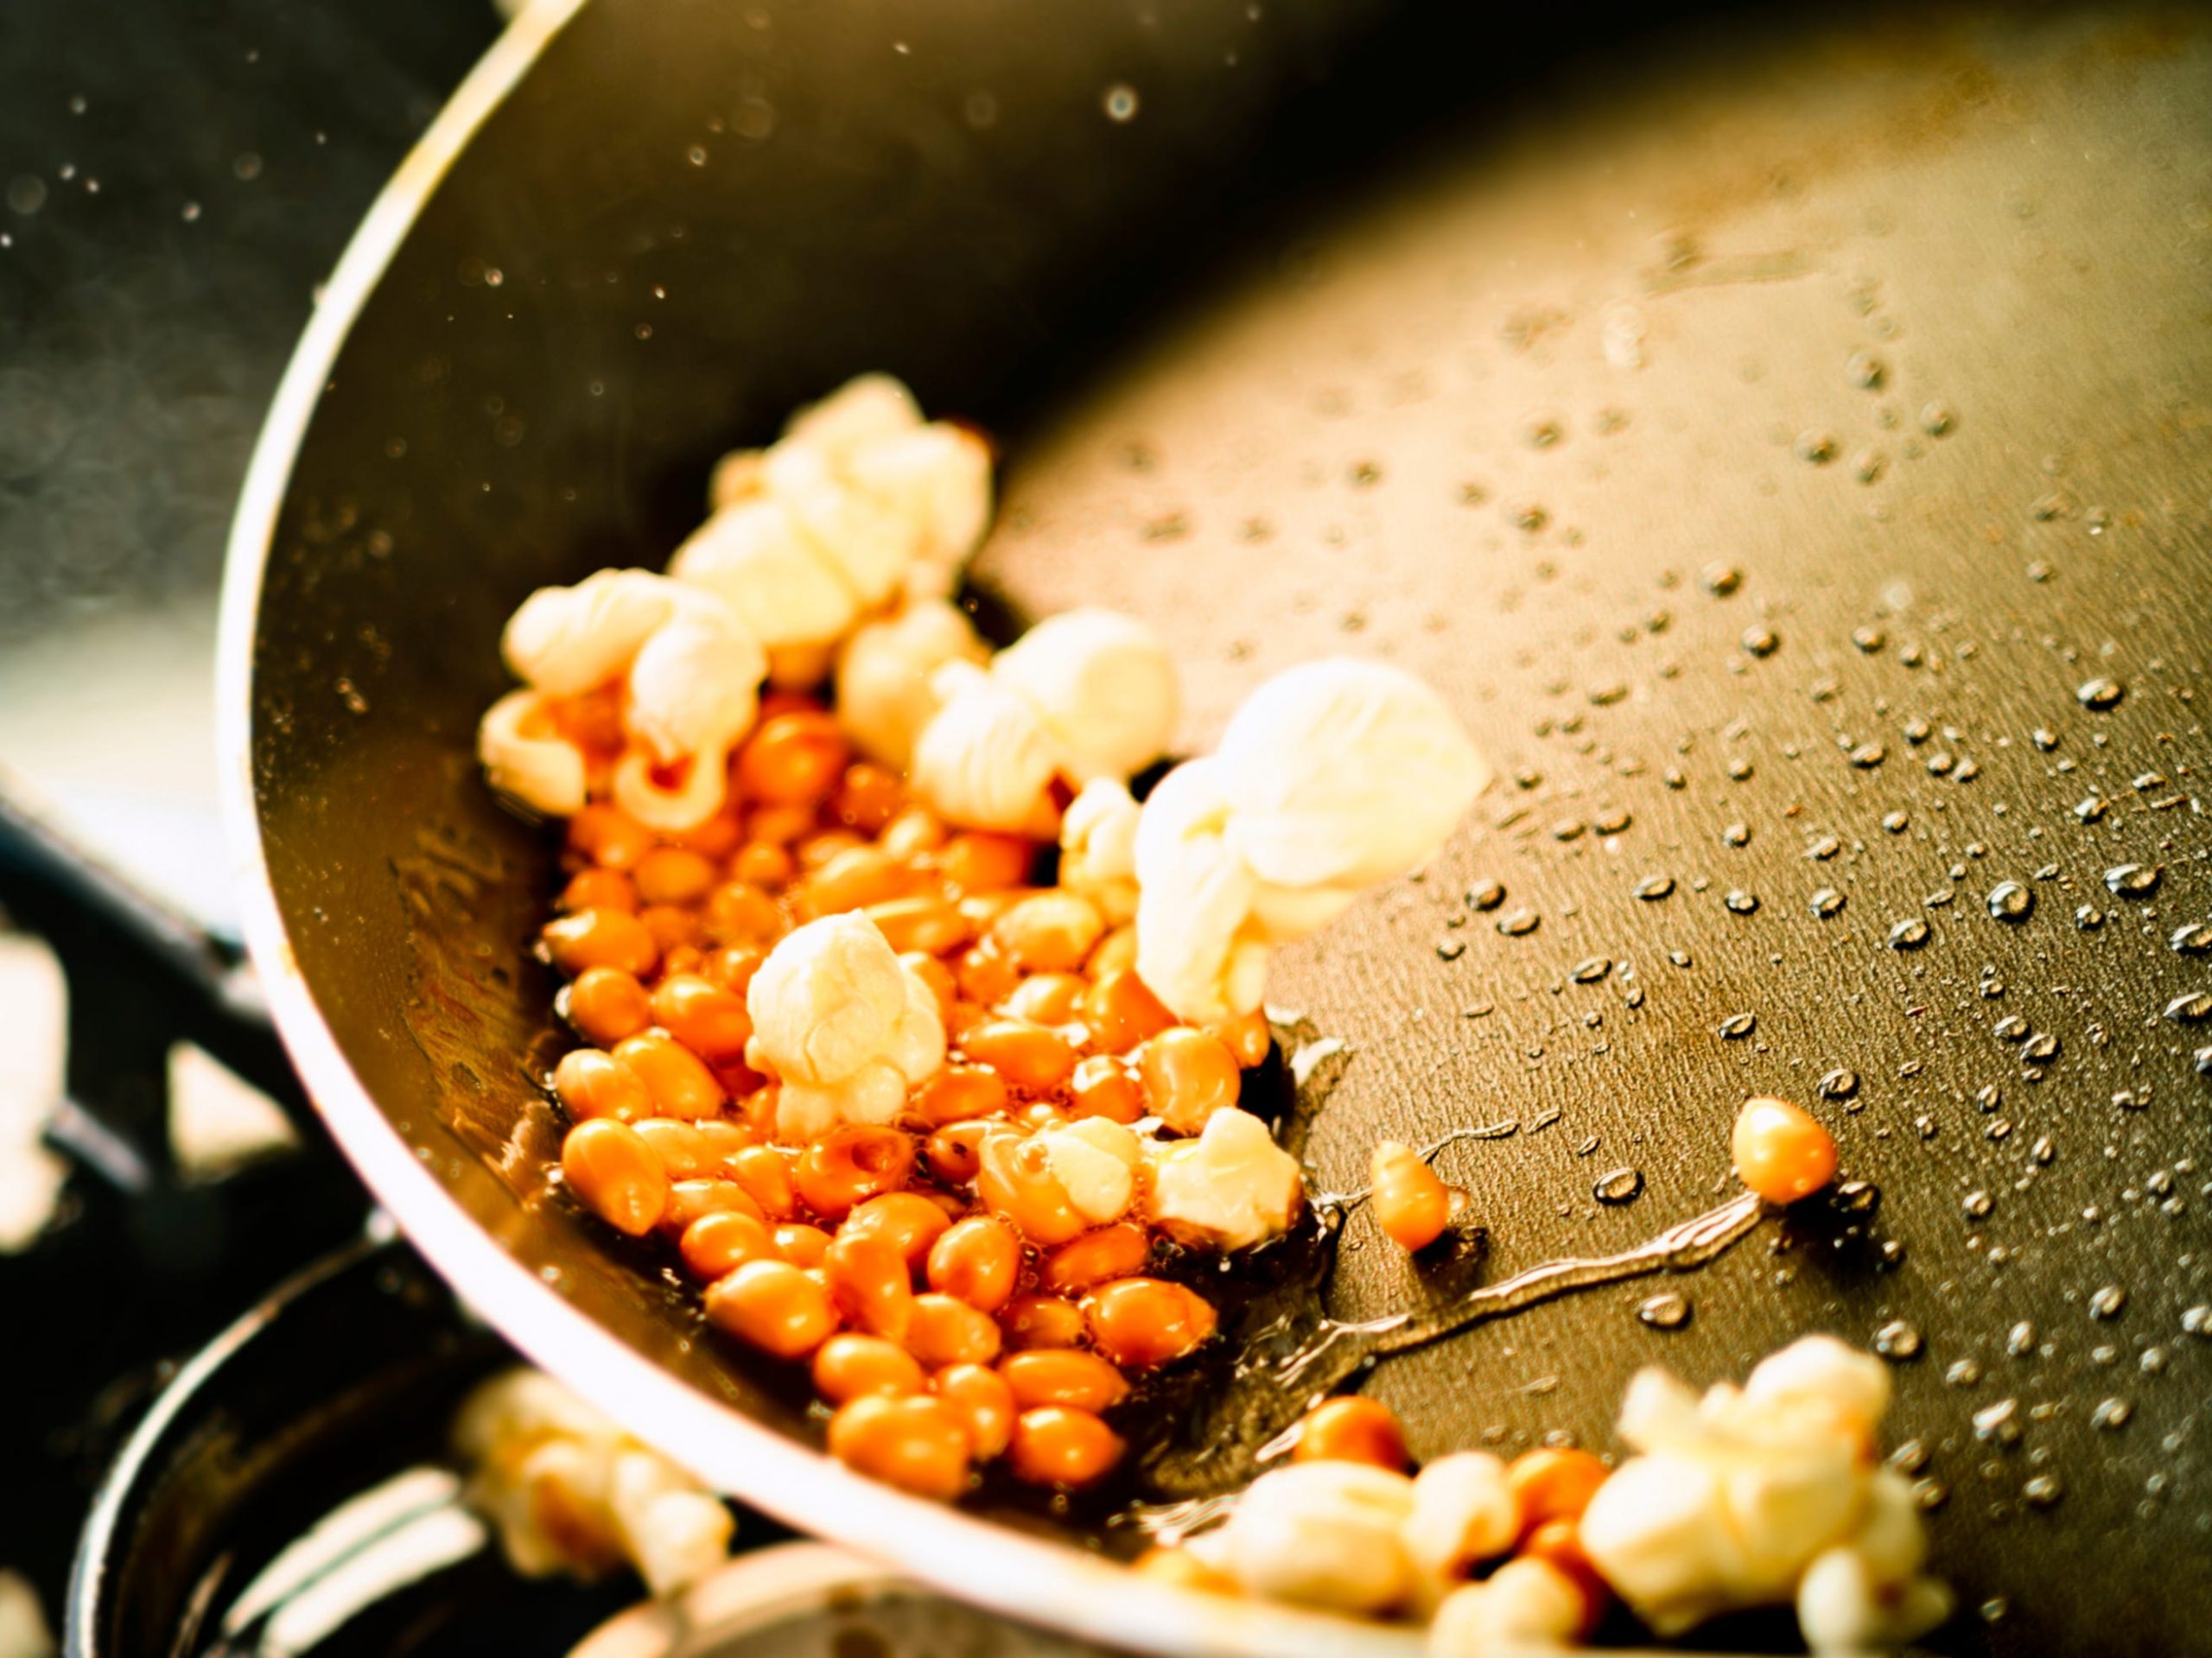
{"points": [[1031, 1579]]}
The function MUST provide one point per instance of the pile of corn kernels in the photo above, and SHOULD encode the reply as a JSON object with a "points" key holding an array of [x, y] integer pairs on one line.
{"points": [[954, 1304], [918, 1041]]}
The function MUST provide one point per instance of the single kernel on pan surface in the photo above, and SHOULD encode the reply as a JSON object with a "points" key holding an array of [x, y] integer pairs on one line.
{"points": [[1411, 1203], [1351, 1429], [1781, 1152]]}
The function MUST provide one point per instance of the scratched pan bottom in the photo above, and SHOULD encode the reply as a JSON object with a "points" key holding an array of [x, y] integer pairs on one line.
{"points": [[1762, 438]]}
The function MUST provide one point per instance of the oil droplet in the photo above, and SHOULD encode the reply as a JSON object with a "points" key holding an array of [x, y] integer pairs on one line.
{"points": [[2020, 1340], [2091, 809], [2111, 1414], [1814, 446], [1737, 1026], [1591, 968], [1867, 756], [1612, 821], [1485, 895], [1965, 1373], [1618, 1187], [2133, 879], [1517, 924], [2011, 1028], [1668, 1309], [1838, 1084], [1760, 641], [1895, 822], [1652, 888], [2099, 696], [1908, 934], [2010, 901], [2042, 1490], [1864, 370], [1897, 1341], [2089, 918], [2190, 1007], [1741, 903], [1451, 949], [1718, 579], [1736, 835], [1978, 1205], [1826, 902], [1869, 639], [1120, 102], [2194, 939], [2041, 1046], [2107, 1302], [1936, 419]]}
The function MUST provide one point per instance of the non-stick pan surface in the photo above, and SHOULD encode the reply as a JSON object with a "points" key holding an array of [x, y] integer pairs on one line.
{"points": [[1788, 449]]}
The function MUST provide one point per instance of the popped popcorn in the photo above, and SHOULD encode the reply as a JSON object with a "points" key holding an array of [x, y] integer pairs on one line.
{"points": [[526, 756], [886, 673], [1098, 849], [1320, 1534], [1333, 776], [1463, 1513], [1084, 694], [847, 1026], [1096, 1162], [859, 503], [1525, 1602], [569, 1492], [1229, 1188], [693, 670], [1736, 1495]]}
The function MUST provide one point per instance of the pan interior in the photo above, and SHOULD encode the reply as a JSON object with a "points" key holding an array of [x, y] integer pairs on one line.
{"points": [[1764, 446]]}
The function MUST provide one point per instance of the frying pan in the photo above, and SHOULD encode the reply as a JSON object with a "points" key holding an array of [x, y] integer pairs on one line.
{"points": [[1786, 446]]}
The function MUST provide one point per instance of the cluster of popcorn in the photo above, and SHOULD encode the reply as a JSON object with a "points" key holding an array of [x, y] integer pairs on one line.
{"points": [[1774, 1493], [568, 1492], [638, 687]]}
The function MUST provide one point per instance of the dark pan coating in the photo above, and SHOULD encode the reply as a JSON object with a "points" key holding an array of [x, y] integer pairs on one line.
{"points": [[1761, 444]]}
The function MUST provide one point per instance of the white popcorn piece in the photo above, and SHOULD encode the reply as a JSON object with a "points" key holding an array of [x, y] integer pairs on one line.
{"points": [[1098, 849], [1333, 776], [1104, 686], [866, 410], [886, 670], [1344, 772], [846, 1027], [984, 759], [1736, 1493], [1844, 1605], [694, 667], [569, 1492], [1463, 1513], [1096, 1162], [938, 478], [24, 1632], [1525, 1602], [1084, 694], [1196, 949], [1322, 1533], [566, 641], [862, 490], [1229, 1188], [863, 541], [694, 683], [756, 556], [526, 756], [671, 1530]]}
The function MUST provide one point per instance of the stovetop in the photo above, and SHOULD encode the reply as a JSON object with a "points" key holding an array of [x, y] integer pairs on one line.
{"points": [[175, 181]]}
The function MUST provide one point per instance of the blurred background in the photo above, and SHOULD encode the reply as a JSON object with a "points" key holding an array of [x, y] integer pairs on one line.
{"points": [[175, 180]]}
